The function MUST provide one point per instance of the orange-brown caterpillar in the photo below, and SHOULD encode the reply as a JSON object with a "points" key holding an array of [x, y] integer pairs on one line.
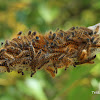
{"points": [[50, 51]]}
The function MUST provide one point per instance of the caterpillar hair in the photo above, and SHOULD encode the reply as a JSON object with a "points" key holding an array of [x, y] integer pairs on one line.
{"points": [[51, 51]]}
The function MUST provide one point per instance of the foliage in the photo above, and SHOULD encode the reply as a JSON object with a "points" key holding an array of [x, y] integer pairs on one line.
{"points": [[44, 15]]}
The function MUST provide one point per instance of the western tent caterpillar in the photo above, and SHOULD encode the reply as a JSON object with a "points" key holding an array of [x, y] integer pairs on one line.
{"points": [[54, 50]]}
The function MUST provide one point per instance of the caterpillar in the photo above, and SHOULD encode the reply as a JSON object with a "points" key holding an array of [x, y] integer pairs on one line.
{"points": [[59, 49]]}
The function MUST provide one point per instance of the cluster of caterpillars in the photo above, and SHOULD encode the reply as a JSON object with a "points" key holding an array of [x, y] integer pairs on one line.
{"points": [[51, 51]]}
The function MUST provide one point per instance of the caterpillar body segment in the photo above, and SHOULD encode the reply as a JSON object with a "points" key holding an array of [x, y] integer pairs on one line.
{"points": [[51, 51]]}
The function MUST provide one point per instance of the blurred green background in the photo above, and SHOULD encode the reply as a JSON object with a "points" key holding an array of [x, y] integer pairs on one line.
{"points": [[42, 16]]}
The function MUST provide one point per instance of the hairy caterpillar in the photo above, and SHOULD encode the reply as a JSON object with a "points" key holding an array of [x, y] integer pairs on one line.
{"points": [[51, 51]]}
